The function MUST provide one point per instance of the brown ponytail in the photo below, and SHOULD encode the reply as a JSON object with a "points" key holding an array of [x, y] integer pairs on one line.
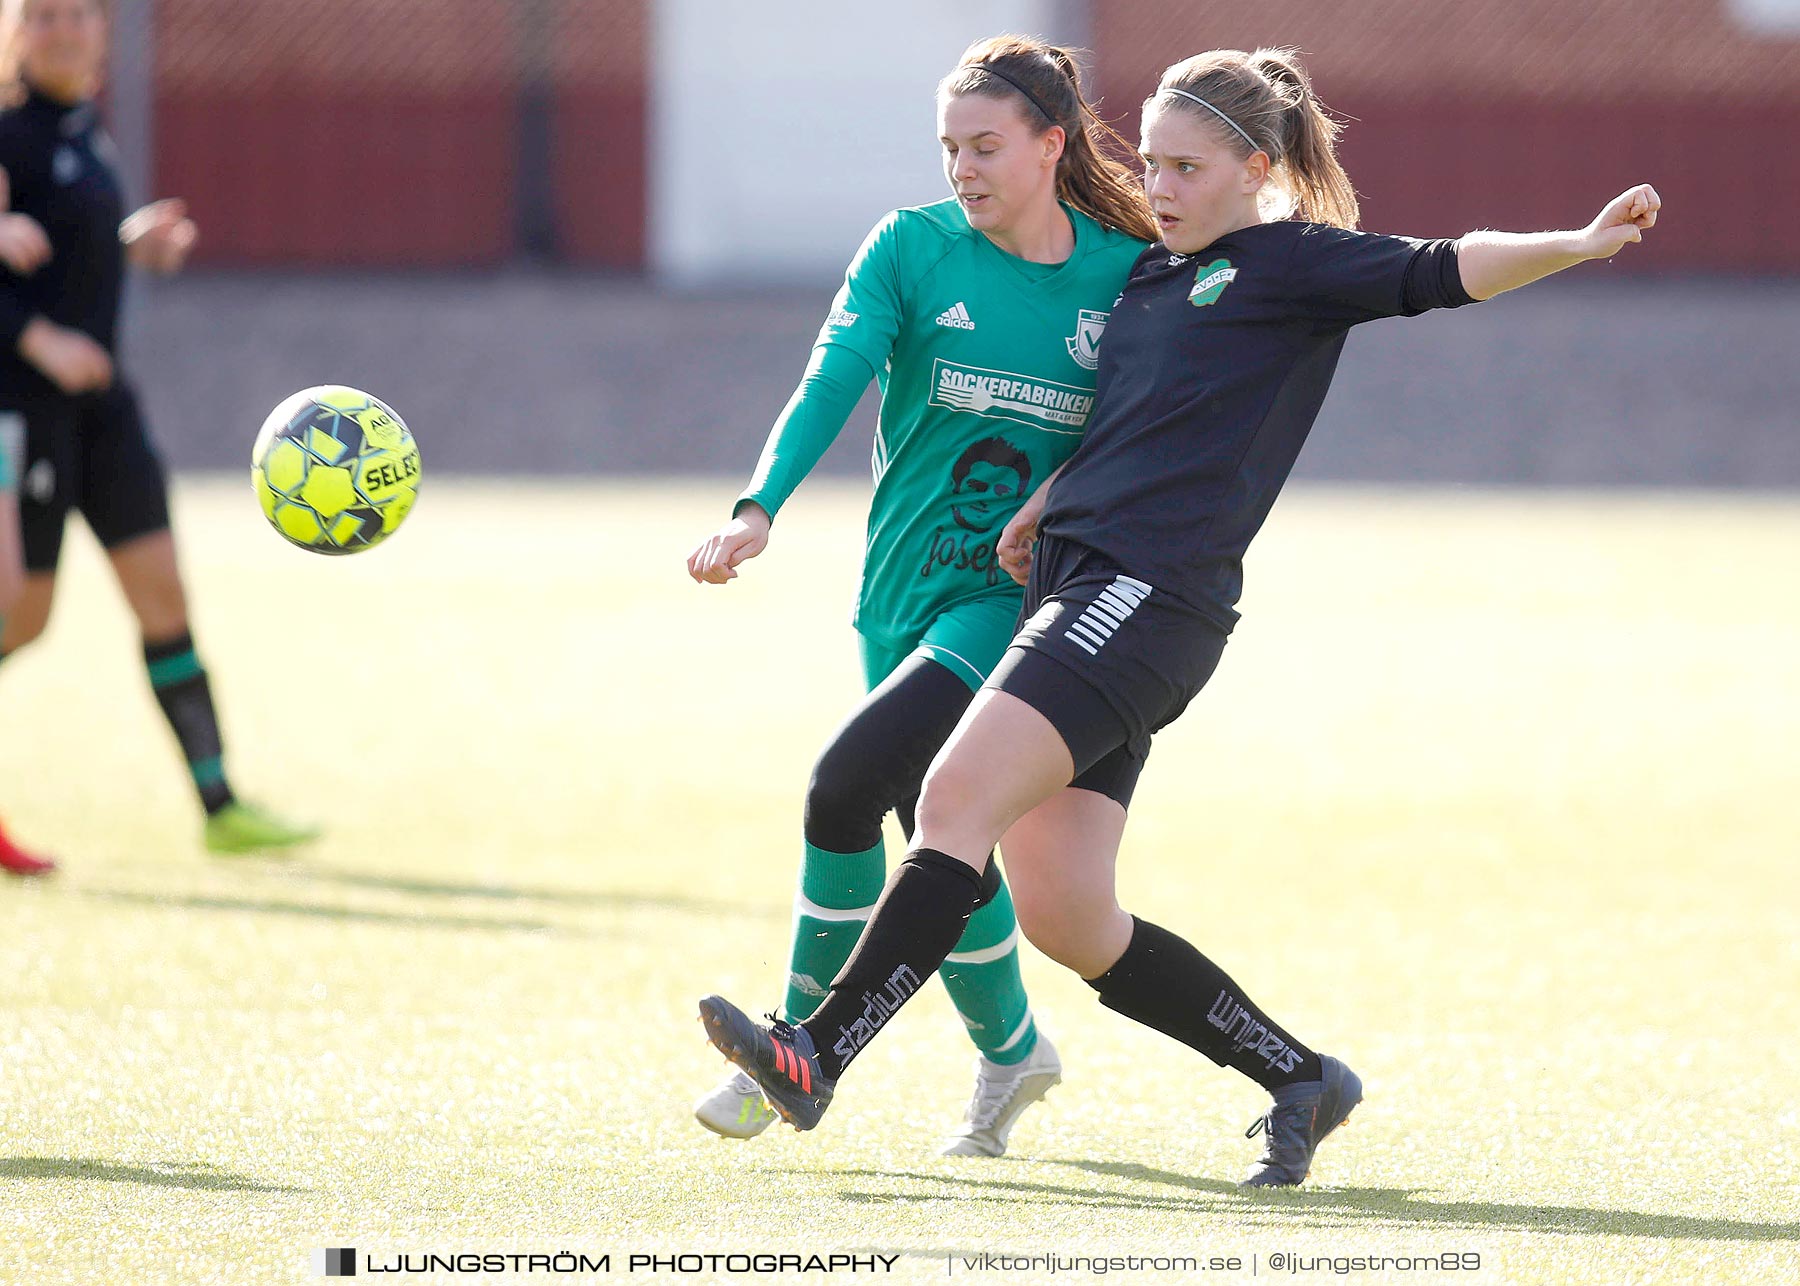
{"points": [[1266, 95], [1046, 84]]}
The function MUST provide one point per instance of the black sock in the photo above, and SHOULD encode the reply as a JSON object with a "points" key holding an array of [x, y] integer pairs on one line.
{"points": [[1162, 982], [916, 923], [186, 700]]}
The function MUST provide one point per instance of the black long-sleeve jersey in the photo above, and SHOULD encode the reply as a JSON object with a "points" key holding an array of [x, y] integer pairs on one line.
{"points": [[1212, 372], [61, 168]]}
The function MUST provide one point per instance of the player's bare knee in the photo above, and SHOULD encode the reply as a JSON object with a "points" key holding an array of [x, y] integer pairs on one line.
{"points": [[1055, 929], [24, 622], [20, 629], [952, 788], [946, 829], [151, 580], [1069, 949], [1038, 920], [161, 612]]}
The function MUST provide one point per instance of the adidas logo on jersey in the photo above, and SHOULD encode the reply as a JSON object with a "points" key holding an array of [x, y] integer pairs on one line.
{"points": [[956, 317]]}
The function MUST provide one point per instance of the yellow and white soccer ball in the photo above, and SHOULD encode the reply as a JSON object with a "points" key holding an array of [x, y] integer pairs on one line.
{"points": [[335, 469]]}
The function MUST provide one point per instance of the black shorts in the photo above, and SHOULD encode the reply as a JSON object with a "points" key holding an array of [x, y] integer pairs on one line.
{"points": [[88, 453], [1107, 659]]}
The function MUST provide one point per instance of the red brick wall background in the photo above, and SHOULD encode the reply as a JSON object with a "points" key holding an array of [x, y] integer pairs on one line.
{"points": [[388, 131], [599, 70], [365, 132]]}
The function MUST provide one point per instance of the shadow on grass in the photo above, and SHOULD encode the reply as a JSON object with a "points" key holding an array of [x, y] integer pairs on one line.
{"points": [[1335, 1208], [181, 1174], [266, 906], [597, 899], [433, 889]]}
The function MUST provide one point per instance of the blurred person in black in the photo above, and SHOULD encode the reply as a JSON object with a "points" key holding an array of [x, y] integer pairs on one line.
{"points": [[13, 859], [64, 245], [1217, 359]]}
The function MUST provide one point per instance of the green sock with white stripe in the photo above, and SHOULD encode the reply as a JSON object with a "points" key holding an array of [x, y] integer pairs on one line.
{"points": [[186, 700], [837, 892], [982, 976]]}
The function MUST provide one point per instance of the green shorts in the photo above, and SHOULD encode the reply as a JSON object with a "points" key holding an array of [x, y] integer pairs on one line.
{"points": [[968, 640]]}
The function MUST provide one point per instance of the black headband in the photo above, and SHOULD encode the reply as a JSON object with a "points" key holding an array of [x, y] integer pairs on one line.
{"points": [[1032, 98]]}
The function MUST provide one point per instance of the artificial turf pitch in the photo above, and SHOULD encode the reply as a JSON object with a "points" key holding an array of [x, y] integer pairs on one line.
{"points": [[1495, 795]]}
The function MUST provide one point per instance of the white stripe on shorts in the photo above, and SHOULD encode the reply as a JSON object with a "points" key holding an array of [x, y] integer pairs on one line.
{"points": [[928, 649], [1091, 630]]}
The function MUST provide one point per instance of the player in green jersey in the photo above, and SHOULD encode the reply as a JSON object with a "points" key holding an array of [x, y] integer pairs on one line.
{"points": [[979, 319]]}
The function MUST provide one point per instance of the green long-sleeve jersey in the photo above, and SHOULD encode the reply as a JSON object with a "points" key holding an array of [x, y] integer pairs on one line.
{"points": [[986, 368]]}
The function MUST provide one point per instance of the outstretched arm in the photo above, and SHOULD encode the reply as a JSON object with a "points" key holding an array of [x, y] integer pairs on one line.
{"points": [[159, 236], [856, 341], [1494, 262], [814, 416]]}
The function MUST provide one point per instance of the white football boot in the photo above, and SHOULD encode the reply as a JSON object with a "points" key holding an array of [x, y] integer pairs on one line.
{"points": [[1002, 1093], [735, 1109]]}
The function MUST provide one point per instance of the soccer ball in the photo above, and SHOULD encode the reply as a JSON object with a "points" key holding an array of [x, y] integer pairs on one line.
{"points": [[335, 469]]}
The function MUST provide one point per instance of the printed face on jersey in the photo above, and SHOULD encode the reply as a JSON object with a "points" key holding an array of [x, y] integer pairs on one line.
{"points": [[1199, 187], [999, 170], [62, 46], [988, 481]]}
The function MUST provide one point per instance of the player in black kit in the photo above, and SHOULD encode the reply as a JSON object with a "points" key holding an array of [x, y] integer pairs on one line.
{"points": [[1216, 361], [13, 859], [64, 245]]}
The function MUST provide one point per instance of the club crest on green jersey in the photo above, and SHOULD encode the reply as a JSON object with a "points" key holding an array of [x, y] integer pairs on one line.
{"points": [[1084, 344], [1210, 282]]}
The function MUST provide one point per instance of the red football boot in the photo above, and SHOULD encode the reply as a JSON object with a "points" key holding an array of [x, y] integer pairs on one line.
{"points": [[16, 861]]}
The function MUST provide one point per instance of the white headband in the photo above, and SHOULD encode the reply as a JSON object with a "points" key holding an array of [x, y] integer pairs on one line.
{"points": [[1195, 98]]}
